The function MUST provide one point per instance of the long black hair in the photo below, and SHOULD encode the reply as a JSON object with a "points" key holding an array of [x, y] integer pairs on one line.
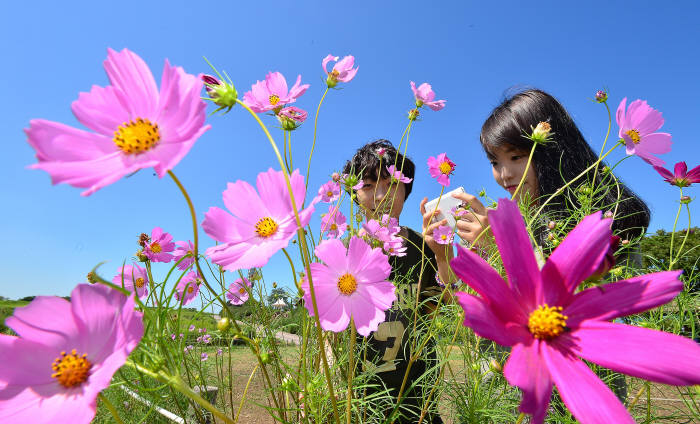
{"points": [[562, 159]]}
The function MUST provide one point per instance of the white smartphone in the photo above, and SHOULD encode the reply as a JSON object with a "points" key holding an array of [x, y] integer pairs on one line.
{"points": [[447, 202]]}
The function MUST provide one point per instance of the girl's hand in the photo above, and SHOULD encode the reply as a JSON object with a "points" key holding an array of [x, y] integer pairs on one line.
{"points": [[443, 252], [472, 223]]}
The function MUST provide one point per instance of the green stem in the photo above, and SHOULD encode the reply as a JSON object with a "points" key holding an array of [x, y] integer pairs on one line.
{"points": [[521, 417], [245, 392], [305, 259], [351, 370], [673, 233], [607, 134], [112, 409], [313, 144], [527, 169]]}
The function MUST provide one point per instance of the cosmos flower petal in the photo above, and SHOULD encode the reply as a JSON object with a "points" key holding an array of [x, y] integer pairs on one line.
{"points": [[129, 74], [18, 368], [586, 396], [47, 319], [620, 115], [332, 252], [657, 143], [640, 352], [576, 258], [50, 407], [514, 245], [220, 225], [680, 170], [644, 118], [626, 297], [324, 62], [665, 173], [527, 370], [478, 317], [54, 141], [100, 110], [365, 316], [693, 176], [244, 202], [480, 276]]}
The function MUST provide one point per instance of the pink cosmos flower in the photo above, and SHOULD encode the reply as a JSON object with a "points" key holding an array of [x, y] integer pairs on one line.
{"points": [[273, 93], [237, 292], [397, 175], [680, 177], [443, 234], [637, 127], [291, 117], [441, 167], [380, 152], [333, 223], [133, 277], [65, 355], [351, 283], [329, 192], [395, 247], [550, 326], [342, 71], [188, 287], [204, 356], [425, 95], [184, 248], [157, 250], [259, 224], [135, 126]]}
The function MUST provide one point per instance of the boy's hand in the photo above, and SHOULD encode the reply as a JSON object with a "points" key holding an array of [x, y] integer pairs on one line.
{"points": [[473, 222], [443, 252]]}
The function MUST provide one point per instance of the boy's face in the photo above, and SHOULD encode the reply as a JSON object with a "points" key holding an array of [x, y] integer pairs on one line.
{"points": [[381, 197]]}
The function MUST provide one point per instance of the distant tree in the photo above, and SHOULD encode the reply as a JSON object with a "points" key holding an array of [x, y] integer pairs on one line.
{"points": [[3, 298], [655, 249], [27, 298], [276, 294]]}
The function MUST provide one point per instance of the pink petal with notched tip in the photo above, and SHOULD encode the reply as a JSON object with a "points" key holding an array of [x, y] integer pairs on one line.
{"points": [[527, 370], [277, 84], [640, 352], [680, 170], [631, 296], [54, 141], [436, 105], [274, 193], [130, 75], [643, 117], [100, 110], [46, 320], [586, 396], [514, 245], [693, 176], [242, 200], [220, 225], [297, 90], [482, 278]]}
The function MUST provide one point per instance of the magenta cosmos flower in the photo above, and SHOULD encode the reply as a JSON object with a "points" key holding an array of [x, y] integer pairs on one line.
{"points": [[342, 71], [135, 126], [188, 287], [132, 277], [291, 118], [65, 355], [237, 292], [637, 127], [184, 251], [443, 234], [440, 168], [261, 224], [549, 326], [681, 177], [333, 223], [351, 283], [425, 95], [273, 93], [329, 192], [397, 175], [160, 246]]}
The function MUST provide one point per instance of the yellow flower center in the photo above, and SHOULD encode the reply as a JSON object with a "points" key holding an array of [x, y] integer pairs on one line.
{"points": [[139, 282], [444, 237], [634, 135], [71, 369], [347, 284], [274, 99], [334, 227], [266, 227], [329, 193], [547, 322], [136, 136], [190, 289], [241, 290], [445, 168], [155, 247]]}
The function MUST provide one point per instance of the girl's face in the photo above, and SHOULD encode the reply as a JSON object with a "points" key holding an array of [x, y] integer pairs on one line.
{"points": [[508, 166]]}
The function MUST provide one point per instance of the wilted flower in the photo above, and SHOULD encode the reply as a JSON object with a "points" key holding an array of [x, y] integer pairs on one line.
{"points": [[259, 224], [342, 71], [65, 355], [333, 223], [413, 114], [397, 175], [681, 177], [291, 117], [222, 93], [637, 126], [335, 177], [550, 325], [425, 95], [157, 250], [237, 292], [135, 125], [273, 93], [440, 168], [184, 251], [133, 278], [351, 283]]}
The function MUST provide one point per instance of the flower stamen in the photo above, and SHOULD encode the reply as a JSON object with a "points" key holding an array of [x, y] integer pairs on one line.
{"points": [[137, 136], [266, 227], [156, 247], [347, 284], [274, 99], [139, 282], [634, 135], [547, 322], [71, 369]]}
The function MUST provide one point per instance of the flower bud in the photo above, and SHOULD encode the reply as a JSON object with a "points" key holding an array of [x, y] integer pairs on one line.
{"points": [[274, 285], [140, 256], [609, 260], [223, 94], [601, 96], [551, 225], [625, 242], [265, 357], [482, 193], [541, 133], [608, 214], [91, 277], [685, 200], [223, 324], [605, 170], [495, 366], [335, 177]]}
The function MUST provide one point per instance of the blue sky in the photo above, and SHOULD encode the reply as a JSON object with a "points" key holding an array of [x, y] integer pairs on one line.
{"points": [[471, 52]]}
